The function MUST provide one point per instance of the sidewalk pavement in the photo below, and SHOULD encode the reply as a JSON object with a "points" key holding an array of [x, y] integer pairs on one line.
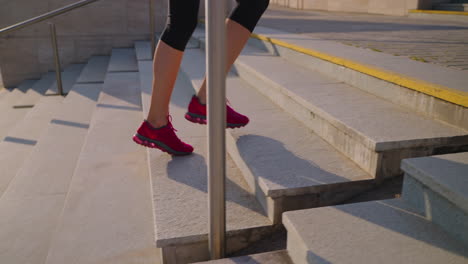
{"points": [[431, 41]]}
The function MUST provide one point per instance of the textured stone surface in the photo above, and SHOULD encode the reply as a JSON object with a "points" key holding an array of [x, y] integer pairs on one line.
{"points": [[95, 70], [372, 232], [446, 175], [107, 217], [275, 257], [274, 163], [180, 183], [31, 206]]}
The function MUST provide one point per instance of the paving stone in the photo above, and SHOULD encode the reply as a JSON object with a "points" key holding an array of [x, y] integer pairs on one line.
{"points": [[395, 32]]}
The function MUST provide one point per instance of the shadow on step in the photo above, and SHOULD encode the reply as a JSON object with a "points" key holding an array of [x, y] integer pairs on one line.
{"points": [[178, 167], [397, 216], [270, 160]]}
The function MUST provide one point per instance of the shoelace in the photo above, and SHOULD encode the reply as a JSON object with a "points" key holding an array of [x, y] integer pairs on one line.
{"points": [[169, 123]]}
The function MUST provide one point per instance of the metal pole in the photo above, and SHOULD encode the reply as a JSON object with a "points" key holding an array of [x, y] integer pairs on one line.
{"points": [[152, 27], [58, 70], [216, 84]]}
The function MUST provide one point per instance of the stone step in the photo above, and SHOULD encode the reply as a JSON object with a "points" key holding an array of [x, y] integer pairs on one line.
{"points": [[107, 217], [95, 70], [143, 50], [69, 78], [426, 88], [179, 186], [374, 133], [438, 187], [123, 60], [275, 257], [452, 6], [12, 113], [383, 232], [31, 206], [20, 101], [3, 92], [288, 166], [21, 139], [12, 96]]}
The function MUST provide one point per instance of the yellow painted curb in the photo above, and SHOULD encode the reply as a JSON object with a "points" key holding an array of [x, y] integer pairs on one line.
{"points": [[439, 91], [440, 12]]}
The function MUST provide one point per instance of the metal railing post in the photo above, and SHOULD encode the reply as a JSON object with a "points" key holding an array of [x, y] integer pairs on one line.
{"points": [[152, 26], [216, 84], [58, 69]]}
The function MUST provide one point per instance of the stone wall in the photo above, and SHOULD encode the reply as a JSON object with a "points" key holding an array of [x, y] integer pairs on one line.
{"points": [[91, 30], [387, 7]]}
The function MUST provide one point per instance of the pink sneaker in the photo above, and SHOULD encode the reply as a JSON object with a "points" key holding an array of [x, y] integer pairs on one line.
{"points": [[197, 114], [163, 138]]}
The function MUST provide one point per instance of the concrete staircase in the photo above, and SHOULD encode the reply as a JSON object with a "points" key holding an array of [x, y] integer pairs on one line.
{"points": [[78, 190], [427, 225]]}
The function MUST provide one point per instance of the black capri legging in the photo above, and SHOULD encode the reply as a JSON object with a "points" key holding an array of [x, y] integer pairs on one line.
{"points": [[183, 17]]}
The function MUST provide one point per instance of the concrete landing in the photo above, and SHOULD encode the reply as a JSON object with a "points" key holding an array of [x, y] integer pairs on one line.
{"points": [[372, 232], [180, 189], [287, 165], [275, 257]]}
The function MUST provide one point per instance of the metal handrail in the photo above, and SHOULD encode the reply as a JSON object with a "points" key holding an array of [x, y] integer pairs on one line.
{"points": [[45, 16], [53, 33]]}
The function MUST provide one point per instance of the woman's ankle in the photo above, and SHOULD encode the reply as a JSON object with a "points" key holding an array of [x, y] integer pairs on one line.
{"points": [[157, 122]]}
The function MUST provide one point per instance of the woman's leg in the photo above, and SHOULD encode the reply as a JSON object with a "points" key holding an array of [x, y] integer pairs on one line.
{"points": [[157, 130], [166, 65], [239, 26], [236, 37], [182, 21]]}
